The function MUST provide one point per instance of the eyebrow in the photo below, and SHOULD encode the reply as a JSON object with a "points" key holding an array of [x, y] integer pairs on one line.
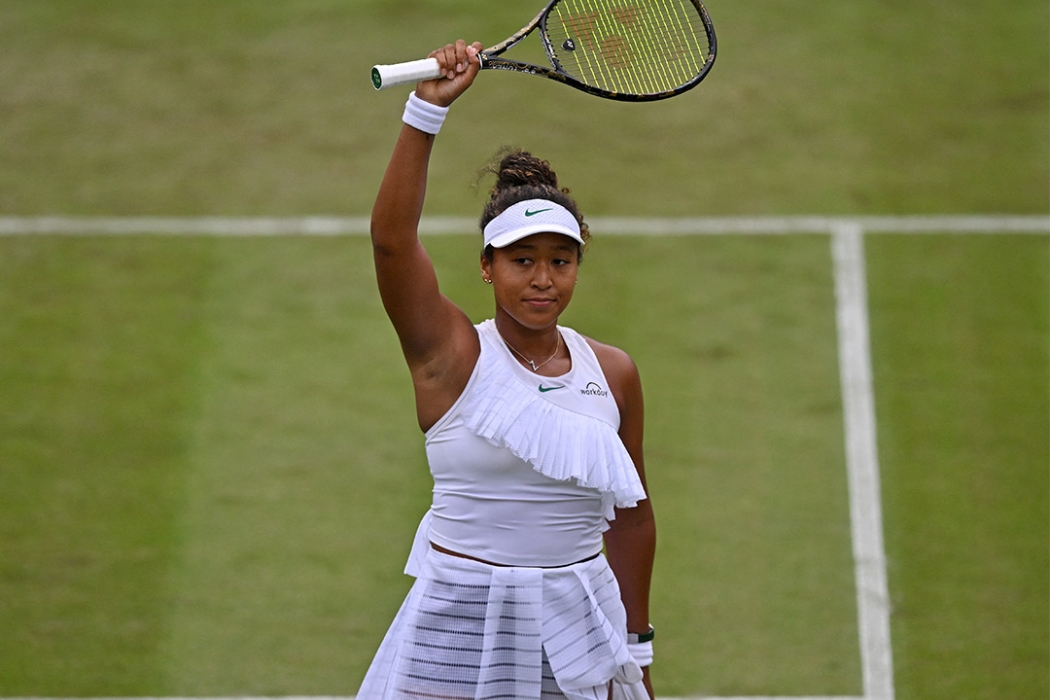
{"points": [[529, 246]]}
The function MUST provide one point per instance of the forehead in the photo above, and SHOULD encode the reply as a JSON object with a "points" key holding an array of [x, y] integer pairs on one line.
{"points": [[540, 241]]}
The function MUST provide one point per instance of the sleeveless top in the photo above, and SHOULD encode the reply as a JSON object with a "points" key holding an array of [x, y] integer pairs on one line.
{"points": [[527, 469]]}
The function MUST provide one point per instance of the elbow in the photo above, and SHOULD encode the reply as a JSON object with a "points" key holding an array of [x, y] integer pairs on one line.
{"points": [[382, 242], [375, 230], [392, 238]]}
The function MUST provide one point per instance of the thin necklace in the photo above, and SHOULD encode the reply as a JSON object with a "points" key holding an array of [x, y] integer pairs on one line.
{"points": [[535, 367]]}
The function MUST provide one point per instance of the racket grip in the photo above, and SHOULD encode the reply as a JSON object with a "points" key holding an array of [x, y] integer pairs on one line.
{"points": [[384, 76]]}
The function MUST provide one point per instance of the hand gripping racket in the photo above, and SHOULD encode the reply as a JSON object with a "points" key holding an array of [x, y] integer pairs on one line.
{"points": [[629, 50]]}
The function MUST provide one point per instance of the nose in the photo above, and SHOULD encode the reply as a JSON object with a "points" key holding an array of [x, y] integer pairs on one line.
{"points": [[541, 278]]}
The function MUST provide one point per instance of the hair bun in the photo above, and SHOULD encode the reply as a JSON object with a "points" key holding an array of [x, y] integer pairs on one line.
{"points": [[521, 168]]}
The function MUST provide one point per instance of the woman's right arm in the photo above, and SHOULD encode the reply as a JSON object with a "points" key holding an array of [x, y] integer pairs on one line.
{"points": [[436, 337]]}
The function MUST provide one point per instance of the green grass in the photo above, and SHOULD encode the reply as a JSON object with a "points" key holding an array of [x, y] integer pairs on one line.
{"points": [[240, 107], [206, 460], [99, 373], [960, 339]]}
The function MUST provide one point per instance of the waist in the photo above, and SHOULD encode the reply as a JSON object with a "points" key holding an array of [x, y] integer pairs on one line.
{"points": [[515, 534], [445, 550]]}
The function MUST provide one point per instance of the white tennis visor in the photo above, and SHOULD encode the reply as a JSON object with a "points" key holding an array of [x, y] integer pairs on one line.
{"points": [[529, 217]]}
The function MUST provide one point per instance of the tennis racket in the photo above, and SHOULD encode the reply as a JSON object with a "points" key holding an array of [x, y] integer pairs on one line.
{"points": [[629, 50]]}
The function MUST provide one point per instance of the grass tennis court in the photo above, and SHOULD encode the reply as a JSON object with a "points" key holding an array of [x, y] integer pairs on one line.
{"points": [[213, 473], [209, 469]]}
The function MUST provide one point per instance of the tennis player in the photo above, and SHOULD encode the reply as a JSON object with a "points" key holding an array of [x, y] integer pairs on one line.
{"points": [[533, 564]]}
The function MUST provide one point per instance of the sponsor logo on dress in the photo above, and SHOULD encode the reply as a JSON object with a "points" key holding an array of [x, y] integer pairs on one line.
{"points": [[593, 389]]}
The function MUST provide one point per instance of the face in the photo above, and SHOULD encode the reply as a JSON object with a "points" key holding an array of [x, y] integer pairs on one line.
{"points": [[534, 278]]}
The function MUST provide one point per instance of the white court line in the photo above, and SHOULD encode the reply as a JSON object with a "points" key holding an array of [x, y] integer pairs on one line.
{"points": [[358, 225], [862, 464]]}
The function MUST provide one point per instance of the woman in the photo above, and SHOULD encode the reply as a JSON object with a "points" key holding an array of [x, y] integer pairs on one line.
{"points": [[534, 439]]}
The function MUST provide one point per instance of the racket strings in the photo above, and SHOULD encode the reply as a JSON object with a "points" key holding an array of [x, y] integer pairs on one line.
{"points": [[629, 46]]}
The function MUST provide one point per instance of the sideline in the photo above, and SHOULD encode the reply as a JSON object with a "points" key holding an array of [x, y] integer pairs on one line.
{"points": [[862, 462]]}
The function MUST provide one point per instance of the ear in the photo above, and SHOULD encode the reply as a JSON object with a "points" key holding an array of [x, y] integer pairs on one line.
{"points": [[486, 269]]}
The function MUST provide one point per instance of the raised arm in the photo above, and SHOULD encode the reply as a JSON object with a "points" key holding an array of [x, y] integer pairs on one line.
{"points": [[438, 340]]}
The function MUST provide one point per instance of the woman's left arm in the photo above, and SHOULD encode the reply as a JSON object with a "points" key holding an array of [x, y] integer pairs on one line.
{"points": [[630, 541]]}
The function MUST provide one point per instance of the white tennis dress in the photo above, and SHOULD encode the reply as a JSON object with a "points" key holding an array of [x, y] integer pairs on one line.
{"points": [[527, 472]]}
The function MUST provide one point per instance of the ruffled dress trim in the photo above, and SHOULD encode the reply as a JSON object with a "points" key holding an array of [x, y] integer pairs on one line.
{"points": [[557, 442]]}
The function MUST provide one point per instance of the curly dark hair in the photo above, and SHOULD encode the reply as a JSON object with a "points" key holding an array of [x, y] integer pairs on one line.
{"points": [[521, 176]]}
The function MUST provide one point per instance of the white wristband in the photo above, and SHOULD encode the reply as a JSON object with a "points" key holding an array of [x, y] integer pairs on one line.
{"points": [[422, 115], [642, 653]]}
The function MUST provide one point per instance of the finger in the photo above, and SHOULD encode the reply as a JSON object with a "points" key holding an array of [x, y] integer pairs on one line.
{"points": [[446, 58], [472, 55], [462, 58], [450, 60]]}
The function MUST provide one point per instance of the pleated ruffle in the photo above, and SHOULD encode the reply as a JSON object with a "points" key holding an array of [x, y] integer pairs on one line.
{"points": [[559, 443]]}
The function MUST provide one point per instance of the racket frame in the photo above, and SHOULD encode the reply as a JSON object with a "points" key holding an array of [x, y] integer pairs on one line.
{"points": [[426, 69]]}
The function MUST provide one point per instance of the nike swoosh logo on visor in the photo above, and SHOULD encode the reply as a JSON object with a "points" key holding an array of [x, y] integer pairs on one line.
{"points": [[529, 212]]}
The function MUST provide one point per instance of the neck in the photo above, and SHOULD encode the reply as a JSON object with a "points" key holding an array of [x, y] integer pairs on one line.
{"points": [[534, 349], [531, 341]]}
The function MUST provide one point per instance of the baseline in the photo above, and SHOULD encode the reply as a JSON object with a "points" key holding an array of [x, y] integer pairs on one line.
{"points": [[648, 226]]}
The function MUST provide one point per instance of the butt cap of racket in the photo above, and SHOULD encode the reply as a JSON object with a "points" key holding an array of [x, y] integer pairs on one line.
{"points": [[384, 76]]}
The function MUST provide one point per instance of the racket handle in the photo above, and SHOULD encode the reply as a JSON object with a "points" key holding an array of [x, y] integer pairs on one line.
{"points": [[403, 73]]}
